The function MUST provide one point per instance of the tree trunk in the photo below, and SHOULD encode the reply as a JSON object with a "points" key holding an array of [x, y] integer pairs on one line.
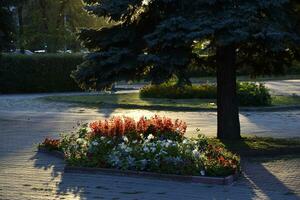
{"points": [[45, 32], [21, 29], [227, 101]]}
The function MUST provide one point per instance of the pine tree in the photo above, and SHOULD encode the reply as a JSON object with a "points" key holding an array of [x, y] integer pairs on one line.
{"points": [[156, 38]]}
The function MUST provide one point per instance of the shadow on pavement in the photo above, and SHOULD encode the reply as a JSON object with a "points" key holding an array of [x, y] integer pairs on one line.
{"points": [[257, 183]]}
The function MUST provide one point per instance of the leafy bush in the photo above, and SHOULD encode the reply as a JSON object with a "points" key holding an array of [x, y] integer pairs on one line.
{"points": [[171, 91], [38, 73], [250, 94], [147, 145]]}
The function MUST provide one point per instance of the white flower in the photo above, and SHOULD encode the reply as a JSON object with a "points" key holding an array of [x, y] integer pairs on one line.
{"points": [[185, 141], [150, 137], [95, 143], [167, 144], [102, 138], [114, 160], [123, 146], [196, 153], [88, 129], [131, 161], [128, 149], [202, 172], [125, 139], [134, 141], [145, 3], [144, 162], [81, 142], [146, 149], [153, 149]]}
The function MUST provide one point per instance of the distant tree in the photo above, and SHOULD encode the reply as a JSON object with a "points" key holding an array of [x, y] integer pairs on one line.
{"points": [[158, 38], [6, 25], [19, 6], [53, 24]]}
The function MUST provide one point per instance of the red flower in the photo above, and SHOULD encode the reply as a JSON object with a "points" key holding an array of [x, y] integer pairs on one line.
{"points": [[119, 126], [51, 143]]}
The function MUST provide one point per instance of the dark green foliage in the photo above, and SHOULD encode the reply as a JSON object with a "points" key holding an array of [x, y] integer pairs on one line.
{"points": [[6, 25], [171, 91], [38, 73], [159, 38], [249, 94]]}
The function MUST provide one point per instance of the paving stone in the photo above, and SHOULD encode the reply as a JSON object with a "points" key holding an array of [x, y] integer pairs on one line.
{"points": [[26, 174]]}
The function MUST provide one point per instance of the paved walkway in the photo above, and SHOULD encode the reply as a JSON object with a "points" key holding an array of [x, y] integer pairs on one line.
{"points": [[28, 107], [25, 174], [284, 87]]}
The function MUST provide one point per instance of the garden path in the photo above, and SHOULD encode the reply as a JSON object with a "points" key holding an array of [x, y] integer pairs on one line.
{"points": [[25, 174], [29, 107]]}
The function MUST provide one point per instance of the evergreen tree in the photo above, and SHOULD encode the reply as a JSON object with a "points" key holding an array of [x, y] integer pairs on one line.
{"points": [[157, 38]]}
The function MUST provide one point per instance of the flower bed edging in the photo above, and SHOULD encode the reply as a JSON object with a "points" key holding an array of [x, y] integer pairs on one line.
{"points": [[149, 147], [142, 174]]}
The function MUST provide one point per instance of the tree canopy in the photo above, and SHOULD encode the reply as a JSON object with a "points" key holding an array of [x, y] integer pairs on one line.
{"points": [[54, 24], [46, 24], [158, 37]]}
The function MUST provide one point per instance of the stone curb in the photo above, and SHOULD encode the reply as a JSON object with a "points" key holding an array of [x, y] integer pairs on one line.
{"points": [[141, 174]]}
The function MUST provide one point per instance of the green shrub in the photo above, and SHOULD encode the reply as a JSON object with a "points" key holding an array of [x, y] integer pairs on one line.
{"points": [[250, 94], [38, 73], [171, 91]]}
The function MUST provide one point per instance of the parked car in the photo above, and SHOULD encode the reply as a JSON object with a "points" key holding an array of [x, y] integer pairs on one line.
{"points": [[27, 52], [40, 51]]}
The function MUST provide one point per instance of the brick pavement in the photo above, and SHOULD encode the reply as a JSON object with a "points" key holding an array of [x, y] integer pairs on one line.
{"points": [[31, 175], [24, 174]]}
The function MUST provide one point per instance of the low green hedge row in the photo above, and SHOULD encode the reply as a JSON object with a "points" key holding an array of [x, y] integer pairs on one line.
{"points": [[38, 73], [249, 94]]}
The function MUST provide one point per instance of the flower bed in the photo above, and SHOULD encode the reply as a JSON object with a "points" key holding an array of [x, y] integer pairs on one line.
{"points": [[156, 144]]}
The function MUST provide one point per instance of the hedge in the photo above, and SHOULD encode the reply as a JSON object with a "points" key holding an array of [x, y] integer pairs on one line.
{"points": [[249, 94], [51, 72], [38, 73]]}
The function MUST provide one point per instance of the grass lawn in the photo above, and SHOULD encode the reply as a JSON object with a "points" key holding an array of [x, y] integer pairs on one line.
{"points": [[262, 146], [285, 100], [212, 79], [133, 100]]}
